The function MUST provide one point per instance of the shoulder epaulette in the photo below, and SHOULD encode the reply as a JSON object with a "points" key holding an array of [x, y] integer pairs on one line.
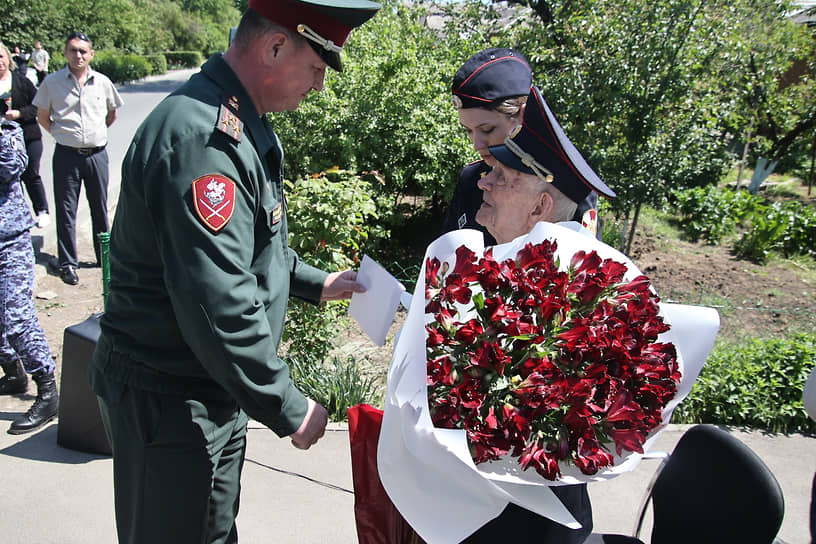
{"points": [[228, 121]]}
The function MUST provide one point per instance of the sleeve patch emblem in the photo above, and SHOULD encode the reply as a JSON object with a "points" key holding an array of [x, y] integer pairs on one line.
{"points": [[214, 200]]}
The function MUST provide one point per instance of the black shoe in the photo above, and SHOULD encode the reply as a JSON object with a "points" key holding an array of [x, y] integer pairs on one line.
{"points": [[15, 381], [68, 275], [43, 410]]}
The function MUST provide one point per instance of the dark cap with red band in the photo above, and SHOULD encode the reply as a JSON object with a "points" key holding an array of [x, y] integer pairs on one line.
{"points": [[490, 75], [325, 24], [539, 146]]}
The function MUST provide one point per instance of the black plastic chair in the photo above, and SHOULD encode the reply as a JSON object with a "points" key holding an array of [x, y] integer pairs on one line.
{"points": [[711, 489]]}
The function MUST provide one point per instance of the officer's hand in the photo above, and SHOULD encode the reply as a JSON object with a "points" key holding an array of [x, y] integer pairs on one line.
{"points": [[340, 285], [312, 428]]}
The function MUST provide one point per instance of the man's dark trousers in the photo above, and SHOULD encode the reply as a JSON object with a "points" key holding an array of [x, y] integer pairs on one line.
{"points": [[156, 438], [72, 170]]}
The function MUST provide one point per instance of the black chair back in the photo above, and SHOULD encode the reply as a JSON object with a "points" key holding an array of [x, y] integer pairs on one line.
{"points": [[715, 489]]}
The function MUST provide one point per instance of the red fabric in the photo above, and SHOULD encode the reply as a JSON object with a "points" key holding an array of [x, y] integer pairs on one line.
{"points": [[378, 520], [290, 14]]}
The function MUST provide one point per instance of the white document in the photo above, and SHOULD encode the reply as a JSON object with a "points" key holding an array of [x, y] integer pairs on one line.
{"points": [[374, 310]]}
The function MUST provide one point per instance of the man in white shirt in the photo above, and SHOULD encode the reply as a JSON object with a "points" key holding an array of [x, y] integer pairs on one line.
{"points": [[77, 105]]}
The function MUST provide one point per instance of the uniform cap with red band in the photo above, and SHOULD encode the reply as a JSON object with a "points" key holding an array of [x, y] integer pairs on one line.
{"points": [[325, 24], [539, 146]]}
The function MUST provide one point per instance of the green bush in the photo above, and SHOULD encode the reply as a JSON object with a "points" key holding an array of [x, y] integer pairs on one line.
{"points": [[121, 68], [331, 216], [336, 384], [788, 228], [758, 384], [158, 63], [390, 110], [183, 59], [709, 213]]}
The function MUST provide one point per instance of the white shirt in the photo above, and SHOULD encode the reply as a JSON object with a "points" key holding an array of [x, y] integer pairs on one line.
{"points": [[78, 112]]}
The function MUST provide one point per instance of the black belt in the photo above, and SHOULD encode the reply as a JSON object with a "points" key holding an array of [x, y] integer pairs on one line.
{"points": [[83, 151]]}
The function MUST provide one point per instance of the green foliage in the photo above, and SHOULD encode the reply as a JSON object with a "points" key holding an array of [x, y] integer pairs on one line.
{"points": [[789, 228], [709, 213], [758, 384], [132, 26], [390, 110], [158, 63], [654, 92], [183, 59], [336, 384], [331, 217], [121, 68]]}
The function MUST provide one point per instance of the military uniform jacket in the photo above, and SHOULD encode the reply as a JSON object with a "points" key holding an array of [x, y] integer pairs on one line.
{"points": [[15, 216], [200, 268]]}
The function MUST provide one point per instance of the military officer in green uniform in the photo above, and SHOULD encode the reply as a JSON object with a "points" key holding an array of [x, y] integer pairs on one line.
{"points": [[200, 274]]}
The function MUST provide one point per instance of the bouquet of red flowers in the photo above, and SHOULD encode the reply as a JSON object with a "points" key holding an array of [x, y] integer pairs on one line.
{"points": [[544, 361], [545, 365]]}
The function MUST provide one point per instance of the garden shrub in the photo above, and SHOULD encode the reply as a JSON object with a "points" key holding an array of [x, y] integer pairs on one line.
{"points": [[121, 68], [710, 213], [785, 227], [758, 384], [158, 63], [183, 59], [331, 216]]}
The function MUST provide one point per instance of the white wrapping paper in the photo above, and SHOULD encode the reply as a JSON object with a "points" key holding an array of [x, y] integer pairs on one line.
{"points": [[428, 472]]}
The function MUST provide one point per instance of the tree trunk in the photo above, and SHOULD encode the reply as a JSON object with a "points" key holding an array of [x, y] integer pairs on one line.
{"points": [[812, 159], [632, 229], [744, 156]]}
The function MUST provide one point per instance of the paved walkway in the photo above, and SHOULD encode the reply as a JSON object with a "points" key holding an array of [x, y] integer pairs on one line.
{"points": [[55, 495]]}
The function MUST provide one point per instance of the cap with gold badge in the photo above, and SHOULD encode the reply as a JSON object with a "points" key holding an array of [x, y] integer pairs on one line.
{"points": [[539, 146], [490, 75], [326, 24]]}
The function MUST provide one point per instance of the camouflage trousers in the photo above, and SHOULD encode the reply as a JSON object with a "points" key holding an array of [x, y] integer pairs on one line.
{"points": [[21, 335]]}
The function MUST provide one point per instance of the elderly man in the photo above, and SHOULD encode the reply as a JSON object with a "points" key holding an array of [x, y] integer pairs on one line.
{"points": [[540, 176], [77, 105], [200, 274]]}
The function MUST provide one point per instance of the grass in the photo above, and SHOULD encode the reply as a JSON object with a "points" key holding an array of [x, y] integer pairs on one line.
{"points": [[336, 383]]}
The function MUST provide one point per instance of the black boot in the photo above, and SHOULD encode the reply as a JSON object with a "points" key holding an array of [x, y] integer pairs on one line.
{"points": [[15, 381], [44, 408]]}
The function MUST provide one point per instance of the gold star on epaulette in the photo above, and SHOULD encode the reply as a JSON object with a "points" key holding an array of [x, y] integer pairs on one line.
{"points": [[233, 103], [229, 124]]}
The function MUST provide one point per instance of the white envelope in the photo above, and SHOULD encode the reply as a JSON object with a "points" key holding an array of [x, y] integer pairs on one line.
{"points": [[375, 309]]}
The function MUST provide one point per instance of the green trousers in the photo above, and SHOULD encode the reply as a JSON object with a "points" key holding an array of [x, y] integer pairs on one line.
{"points": [[176, 465]]}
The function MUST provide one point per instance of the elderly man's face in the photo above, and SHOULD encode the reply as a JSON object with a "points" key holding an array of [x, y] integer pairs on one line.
{"points": [[509, 203]]}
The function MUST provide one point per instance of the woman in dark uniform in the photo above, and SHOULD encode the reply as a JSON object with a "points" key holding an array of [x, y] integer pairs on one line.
{"points": [[489, 92]]}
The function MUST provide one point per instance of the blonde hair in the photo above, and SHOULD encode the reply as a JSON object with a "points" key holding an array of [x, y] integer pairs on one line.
{"points": [[11, 64], [511, 107]]}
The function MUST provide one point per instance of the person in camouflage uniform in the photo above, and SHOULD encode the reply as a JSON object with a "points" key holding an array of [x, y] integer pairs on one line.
{"points": [[23, 347]]}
